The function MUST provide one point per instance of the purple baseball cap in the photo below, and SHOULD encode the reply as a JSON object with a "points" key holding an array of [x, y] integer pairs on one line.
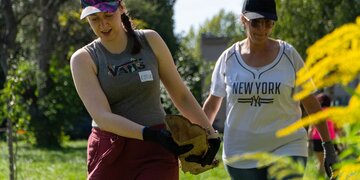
{"points": [[94, 6]]}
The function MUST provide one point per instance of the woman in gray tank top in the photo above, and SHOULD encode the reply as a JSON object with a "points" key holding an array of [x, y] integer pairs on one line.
{"points": [[117, 76]]}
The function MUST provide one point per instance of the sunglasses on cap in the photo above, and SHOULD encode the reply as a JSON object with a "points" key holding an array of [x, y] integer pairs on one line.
{"points": [[257, 23]]}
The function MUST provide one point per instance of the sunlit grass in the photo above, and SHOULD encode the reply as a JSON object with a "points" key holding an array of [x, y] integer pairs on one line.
{"points": [[70, 163], [32, 163]]}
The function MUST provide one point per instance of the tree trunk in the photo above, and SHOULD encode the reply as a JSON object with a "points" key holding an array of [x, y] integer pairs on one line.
{"points": [[10, 141], [8, 37], [49, 10], [7, 48]]}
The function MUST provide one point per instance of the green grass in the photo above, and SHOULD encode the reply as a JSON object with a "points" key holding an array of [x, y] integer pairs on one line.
{"points": [[67, 163], [32, 163], [70, 163]]}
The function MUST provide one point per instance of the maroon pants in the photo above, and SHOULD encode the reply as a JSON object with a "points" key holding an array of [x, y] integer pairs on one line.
{"points": [[114, 157]]}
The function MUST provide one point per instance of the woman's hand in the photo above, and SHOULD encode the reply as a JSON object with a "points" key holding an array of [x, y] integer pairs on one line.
{"points": [[209, 157], [163, 137]]}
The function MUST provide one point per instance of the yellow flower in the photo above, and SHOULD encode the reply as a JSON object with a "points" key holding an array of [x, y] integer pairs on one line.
{"points": [[331, 60], [349, 172]]}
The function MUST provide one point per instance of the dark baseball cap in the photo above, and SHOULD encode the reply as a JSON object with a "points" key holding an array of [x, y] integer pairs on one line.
{"points": [[255, 9], [94, 6]]}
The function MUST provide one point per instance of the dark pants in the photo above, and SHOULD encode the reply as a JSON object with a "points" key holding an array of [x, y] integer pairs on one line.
{"points": [[317, 146], [263, 173], [115, 157]]}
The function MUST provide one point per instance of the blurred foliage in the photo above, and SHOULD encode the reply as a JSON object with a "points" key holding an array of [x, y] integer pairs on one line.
{"points": [[224, 24], [64, 113], [335, 58], [40, 119], [156, 15], [325, 62], [332, 65], [303, 22], [191, 69], [195, 71], [15, 97], [62, 106]]}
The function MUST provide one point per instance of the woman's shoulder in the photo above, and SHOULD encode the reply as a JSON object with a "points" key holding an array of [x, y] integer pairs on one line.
{"points": [[83, 54], [79, 56], [291, 54], [232, 49], [286, 45], [81, 59], [148, 33], [151, 37], [84, 51]]}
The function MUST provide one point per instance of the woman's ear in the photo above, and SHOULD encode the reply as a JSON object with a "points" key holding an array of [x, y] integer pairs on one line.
{"points": [[242, 19], [122, 8]]}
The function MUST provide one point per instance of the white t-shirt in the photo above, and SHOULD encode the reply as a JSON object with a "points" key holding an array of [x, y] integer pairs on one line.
{"points": [[259, 102]]}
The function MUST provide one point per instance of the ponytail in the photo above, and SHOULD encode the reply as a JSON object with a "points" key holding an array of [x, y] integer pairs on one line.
{"points": [[127, 24]]}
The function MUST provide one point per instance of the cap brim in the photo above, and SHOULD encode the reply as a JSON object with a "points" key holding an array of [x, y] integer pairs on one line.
{"points": [[88, 11], [101, 7], [255, 15]]}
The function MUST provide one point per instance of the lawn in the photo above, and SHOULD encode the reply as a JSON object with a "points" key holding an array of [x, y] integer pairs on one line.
{"points": [[70, 163], [31, 163]]}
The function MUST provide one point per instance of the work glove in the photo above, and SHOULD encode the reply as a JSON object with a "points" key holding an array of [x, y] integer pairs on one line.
{"points": [[209, 157], [330, 158], [185, 132], [163, 137]]}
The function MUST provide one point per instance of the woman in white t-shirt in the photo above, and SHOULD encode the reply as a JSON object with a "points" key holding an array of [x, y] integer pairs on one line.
{"points": [[257, 77]]}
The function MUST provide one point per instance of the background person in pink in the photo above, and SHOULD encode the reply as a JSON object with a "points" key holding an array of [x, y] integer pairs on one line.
{"points": [[315, 138]]}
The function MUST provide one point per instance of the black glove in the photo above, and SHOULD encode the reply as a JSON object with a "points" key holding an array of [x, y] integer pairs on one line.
{"points": [[163, 137], [330, 157], [208, 158]]}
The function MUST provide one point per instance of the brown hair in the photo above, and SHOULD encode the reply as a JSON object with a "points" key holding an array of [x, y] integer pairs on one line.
{"points": [[324, 99], [129, 29]]}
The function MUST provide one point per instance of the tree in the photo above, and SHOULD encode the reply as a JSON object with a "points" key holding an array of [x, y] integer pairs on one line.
{"points": [[7, 36], [158, 15], [224, 24], [42, 103], [48, 20], [301, 23], [191, 69], [7, 40]]}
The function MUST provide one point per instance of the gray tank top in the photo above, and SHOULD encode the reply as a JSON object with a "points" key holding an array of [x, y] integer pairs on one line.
{"points": [[130, 82]]}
